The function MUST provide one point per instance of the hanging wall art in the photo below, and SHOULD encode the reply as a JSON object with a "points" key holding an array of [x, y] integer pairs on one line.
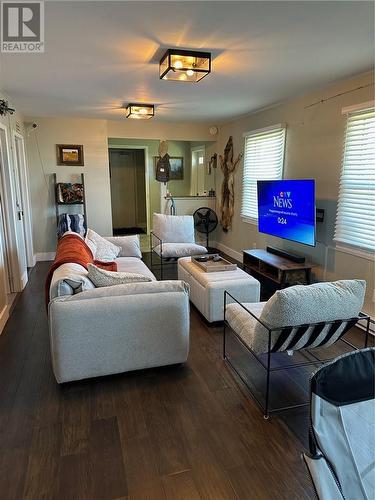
{"points": [[228, 166]]}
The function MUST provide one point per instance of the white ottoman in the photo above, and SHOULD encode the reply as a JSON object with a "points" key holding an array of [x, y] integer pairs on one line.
{"points": [[207, 289]]}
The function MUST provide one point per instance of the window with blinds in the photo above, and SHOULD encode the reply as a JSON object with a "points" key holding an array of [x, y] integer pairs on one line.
{"points": [[355, 220], [263, 160]]}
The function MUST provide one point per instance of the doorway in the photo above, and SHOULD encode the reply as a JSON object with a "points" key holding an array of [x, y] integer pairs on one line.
{"points": [[23, 195], [12, 216], [198, 171], [128, 190]]}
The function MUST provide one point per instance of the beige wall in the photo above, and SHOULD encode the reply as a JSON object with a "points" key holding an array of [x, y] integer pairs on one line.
{"points": [[93, 134], [41, 147], [314, 145]]}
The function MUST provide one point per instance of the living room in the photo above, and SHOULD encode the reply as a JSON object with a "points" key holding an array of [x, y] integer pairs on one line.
{"points": [[93, 403]]}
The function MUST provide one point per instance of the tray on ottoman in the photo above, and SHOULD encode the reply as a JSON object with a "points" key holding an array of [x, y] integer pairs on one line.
{"points": [[213, 263]]}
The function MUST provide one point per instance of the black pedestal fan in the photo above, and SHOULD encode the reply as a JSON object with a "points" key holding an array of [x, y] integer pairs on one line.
{"points": [[205, 221]]}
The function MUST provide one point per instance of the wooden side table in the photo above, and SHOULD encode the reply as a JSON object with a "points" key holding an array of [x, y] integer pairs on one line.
{"points": [[277, 271]]}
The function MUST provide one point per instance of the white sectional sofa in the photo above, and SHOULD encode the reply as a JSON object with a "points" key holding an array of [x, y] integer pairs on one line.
{"points": [[102, 331]]}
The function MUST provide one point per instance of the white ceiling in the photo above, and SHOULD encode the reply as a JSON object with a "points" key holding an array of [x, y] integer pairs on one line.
{"points": [[100, 55]]}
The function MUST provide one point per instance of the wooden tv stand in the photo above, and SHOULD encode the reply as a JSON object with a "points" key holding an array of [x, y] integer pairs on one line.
{"points": [[280, 271]]}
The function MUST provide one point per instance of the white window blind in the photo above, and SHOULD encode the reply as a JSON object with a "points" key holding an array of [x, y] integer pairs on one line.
{"points": [[263, 160], [355, 220]]}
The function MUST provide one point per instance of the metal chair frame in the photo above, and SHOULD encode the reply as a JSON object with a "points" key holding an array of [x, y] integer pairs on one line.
{"points": [[163, 261], [284, 335]]}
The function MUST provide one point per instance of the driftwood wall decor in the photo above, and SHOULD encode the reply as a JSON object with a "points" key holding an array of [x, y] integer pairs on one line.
{"points": [[228, 166]]}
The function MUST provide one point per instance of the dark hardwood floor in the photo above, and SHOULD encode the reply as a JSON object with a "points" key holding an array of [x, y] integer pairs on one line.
{"points": [[188, 432]]}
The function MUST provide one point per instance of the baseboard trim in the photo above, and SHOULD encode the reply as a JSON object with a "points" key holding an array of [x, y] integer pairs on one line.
{"points": [[4, 316], [229, 251], [44, 256]]}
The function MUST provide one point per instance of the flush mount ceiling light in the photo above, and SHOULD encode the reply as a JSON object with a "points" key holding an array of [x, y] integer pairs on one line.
{"points": [[184, 65], [140, 111]]}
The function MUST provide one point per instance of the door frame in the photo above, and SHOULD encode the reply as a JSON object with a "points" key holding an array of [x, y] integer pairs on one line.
{"points": [[25, 194], [147, 178], [195, 149], [16, 281]]}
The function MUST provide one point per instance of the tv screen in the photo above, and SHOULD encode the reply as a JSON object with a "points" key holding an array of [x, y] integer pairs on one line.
{"points": [[286, 208]]}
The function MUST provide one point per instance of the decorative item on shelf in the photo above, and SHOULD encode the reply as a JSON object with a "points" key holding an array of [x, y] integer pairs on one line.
{"points": [[140, 111], [68, 193], [228, 166], [184, 65], [5, 109], [162, 166], [70, 154]]}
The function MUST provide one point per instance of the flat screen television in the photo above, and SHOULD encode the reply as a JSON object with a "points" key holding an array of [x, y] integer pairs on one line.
{"points": [[286, 208]]}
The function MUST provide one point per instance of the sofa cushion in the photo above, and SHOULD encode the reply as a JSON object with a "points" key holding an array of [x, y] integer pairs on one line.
{"points": [[315, 303], [178, 250], [101, 277], [69, 279], [101, 248], [130, 246], [244, 324], [174, 228], [133, 265]]}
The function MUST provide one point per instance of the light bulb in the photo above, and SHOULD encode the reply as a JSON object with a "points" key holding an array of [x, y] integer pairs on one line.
{"points": [[143, 111], [190, 72], [177, 64]]}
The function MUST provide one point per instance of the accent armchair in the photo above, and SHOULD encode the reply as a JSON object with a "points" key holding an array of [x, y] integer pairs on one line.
{"points": [[299, 318], [172, 237]]}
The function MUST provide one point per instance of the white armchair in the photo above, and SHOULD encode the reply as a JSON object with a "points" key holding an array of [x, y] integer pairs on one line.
{"points": [[172, 237]]}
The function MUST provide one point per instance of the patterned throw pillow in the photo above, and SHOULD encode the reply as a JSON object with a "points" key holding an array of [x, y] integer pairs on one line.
{"points": [[101, 277], [101, 248]]}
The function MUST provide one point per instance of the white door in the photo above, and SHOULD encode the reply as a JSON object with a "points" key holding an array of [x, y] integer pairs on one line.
{"points": [[23, 182], [20, 215], [197, 172], [13, 216]]}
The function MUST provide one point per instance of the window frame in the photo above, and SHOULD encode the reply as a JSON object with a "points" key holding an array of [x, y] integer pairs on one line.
{"points": [[341, 246], [278, 126]]}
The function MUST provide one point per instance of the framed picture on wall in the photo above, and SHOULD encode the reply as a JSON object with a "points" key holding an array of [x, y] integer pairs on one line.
{"points": [[70, 154], [177, 168]]}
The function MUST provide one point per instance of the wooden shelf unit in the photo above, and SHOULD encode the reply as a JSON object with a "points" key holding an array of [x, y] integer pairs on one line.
{"points": [[280, 271], [79, 203]]}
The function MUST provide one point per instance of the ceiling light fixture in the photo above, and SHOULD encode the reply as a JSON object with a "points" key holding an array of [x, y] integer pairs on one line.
{"points": [[140, 111], [184, 65]]}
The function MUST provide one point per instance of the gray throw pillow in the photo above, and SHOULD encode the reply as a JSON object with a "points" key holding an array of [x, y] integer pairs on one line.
{"points": [[301, 304], [129, 245], [102, 277]]}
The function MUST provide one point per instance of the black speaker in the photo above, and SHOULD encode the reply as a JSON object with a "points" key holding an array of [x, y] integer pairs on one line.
{"points": [[287, 255]]}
